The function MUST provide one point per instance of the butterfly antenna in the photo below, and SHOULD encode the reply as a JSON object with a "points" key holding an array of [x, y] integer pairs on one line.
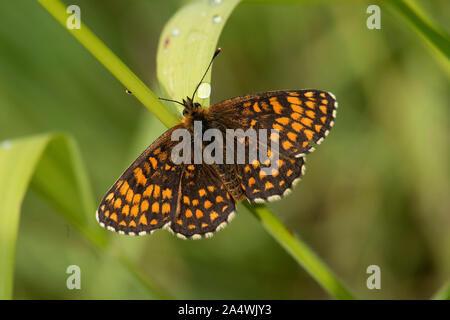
{"points": [[218, 50], [171, 101]]}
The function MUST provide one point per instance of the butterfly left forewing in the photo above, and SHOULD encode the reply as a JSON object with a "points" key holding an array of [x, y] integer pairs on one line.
{"points": [[145, 197]]}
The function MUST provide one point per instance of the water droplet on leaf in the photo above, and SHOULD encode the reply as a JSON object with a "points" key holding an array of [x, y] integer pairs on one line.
{"points": [[175, 32], [204, 91], [217, 19]]}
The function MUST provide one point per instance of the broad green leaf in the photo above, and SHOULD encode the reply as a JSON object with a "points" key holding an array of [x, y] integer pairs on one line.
{"points": [[52, 165], [187, 44]]}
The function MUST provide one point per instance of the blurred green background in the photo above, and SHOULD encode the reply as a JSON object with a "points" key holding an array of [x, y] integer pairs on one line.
{"points": [[376, 191]]}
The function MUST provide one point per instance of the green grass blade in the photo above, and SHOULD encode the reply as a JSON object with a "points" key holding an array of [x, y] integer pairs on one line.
{"points": [[438, 39], [111, 62], [38, 160], [443, 293]]}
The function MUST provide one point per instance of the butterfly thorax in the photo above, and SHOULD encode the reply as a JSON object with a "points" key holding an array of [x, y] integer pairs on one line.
{"points": [[226, 172]]}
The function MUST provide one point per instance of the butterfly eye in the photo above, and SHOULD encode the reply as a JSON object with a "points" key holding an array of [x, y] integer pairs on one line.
{"points": [[197, 105], [185, 112]]}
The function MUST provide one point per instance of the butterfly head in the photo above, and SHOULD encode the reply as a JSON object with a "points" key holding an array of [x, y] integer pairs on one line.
{"points": [[190, 106]]}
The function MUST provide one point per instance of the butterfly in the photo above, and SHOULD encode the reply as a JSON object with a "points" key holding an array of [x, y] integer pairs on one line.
{"points": [[193, 200]]}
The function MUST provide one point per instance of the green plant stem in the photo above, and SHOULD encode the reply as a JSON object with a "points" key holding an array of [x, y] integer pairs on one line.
{"points": [[300, 252], [296, 248], [443, 293], [111, 62]]}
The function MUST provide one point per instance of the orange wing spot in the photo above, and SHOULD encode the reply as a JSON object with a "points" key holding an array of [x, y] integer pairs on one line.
{"points": [[289, 172], [262, 174], [126, 210], [276, 126], [129, 196], [324, 101], [286, 145], [283, 120], [292, 93], [247, 104], [309, 94], [109, 197], [251, 181], [156, 192], [119, 183], [148, 191], [155, 207], [122, 223], [202, 192], [275, 136], [256, 107], [195, 202], [318, 127], [213, 215], [162, 156], [136, 198], [277, 107], [157, 151], [253, 123], [188, 213], [297, 108], [275, 172], [224, 208], [134, 210], [296, 115], [280, 163], [294, 100], [306, 121], [167, 193], [309, 134], [167, 167], [310, 104], [281, 183], [102, 208], [153, 161], [305, 144], [219, 199], [323, 109], [132, 224], [180, 222], [211, 188], [186, 200], [107, 213], [207, 204], [255, 163], [147, 167], [165, 207], [124, 188], [204, 225], [310, 114], [143, 220], [118, 203], [296, 126], [191, 167], [198, 213], [113, 216], [140, 177], [144, 205], [268, 185], [323, 119], [292, 136], [323, 95], [191, 226]]}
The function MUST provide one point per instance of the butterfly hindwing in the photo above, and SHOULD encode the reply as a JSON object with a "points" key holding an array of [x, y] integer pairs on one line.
{"points": [[145, 197], [205, 204]]}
